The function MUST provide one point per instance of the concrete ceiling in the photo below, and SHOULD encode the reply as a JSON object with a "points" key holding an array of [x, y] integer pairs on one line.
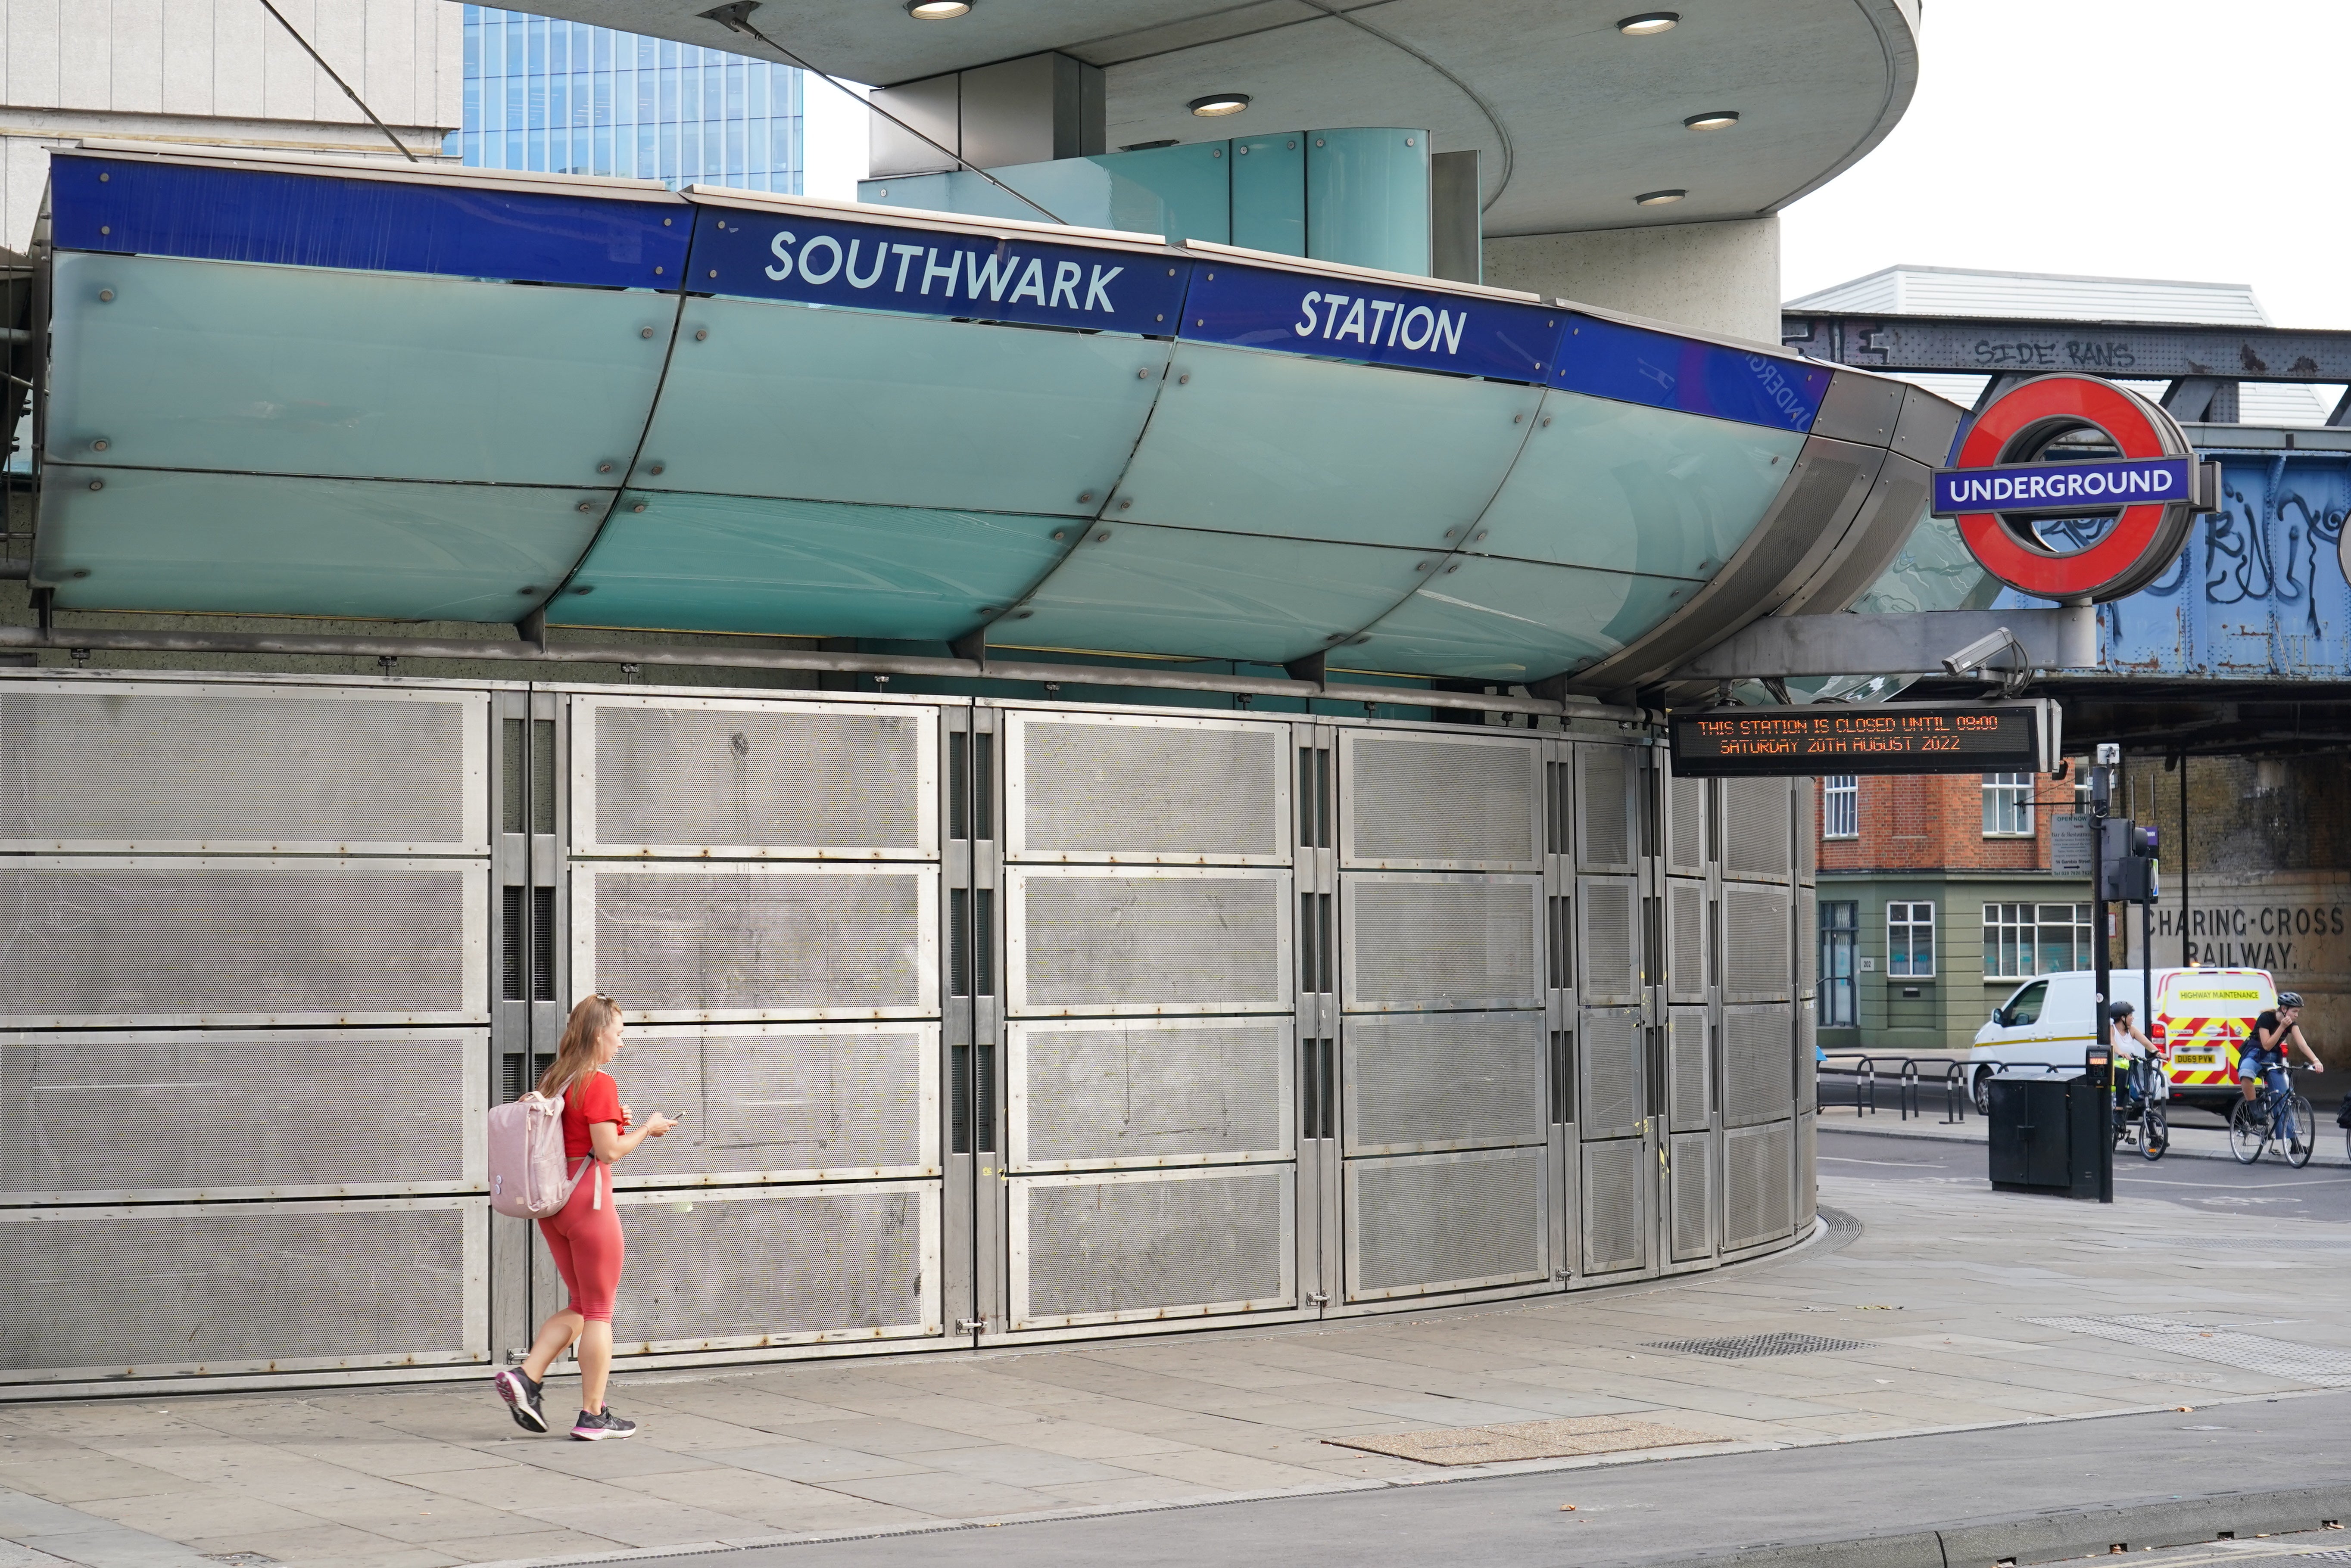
{"points": [[1590, 117]]}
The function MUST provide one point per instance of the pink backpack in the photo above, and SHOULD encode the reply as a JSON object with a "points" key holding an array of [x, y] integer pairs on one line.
{"points": [[526, 1150]]}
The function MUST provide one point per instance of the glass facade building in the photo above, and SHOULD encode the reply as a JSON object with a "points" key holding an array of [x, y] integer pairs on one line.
{"points": [[568, 98]]}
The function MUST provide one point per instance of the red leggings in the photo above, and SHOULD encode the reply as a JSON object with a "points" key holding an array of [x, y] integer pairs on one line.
{"points": [[584, 1236]]}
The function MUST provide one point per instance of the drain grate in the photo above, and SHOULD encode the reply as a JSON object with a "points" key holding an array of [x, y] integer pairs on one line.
{"points": [[1752, 1347], [2315, 1365]]}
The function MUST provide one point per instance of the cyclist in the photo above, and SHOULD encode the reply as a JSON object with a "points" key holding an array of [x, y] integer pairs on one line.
{"points": [[2130, 1044], [2263, 1059]]}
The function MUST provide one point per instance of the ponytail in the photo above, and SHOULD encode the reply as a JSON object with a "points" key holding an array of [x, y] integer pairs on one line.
{"points": [[575, 1057]]}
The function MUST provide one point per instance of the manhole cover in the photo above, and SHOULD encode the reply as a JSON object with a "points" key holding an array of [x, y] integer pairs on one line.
{"points": [[1751, 1347]]}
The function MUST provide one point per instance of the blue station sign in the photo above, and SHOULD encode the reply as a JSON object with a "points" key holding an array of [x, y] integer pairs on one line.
{"points": [[2065, 487], [1373, 322]]}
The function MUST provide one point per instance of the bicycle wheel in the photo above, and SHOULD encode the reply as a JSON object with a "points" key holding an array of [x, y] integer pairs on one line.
{"points": [[2154, 1132], [2309, 1131], [2249, 1129]]}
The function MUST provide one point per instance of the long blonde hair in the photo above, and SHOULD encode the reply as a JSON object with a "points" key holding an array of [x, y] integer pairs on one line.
{"points": [[575, 1057]]}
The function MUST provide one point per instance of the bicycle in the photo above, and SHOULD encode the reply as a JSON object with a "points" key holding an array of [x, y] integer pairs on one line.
{"points": [[2140, 1120], [2255, 1124]]}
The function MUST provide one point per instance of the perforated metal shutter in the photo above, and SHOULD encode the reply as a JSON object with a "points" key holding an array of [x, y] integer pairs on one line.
{"points": [[780, 1265], [145, 766], [1692, 1182], [679, 942], [1612, 1083], [1757, 828], [683, 776], [99, 1117], [1616, 1206], [1807, 810], [1445, 1221], [1604, 784], [1125, 1245], [1424, 802], [1150, 1092], [1756, 1177], [1808, 1169], [1445, 1081], [244, 1287], [1687, 1075], [1686, 976], [1758, 1064], [1082, 941], [102, 941], [1685, 827], [1136, 788], [774, 1102], [1759, 957], [1440, 940], [1609, 911]]}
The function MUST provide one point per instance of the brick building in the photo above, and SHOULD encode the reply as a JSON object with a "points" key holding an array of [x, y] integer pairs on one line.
{"points": [[1936, 900]]}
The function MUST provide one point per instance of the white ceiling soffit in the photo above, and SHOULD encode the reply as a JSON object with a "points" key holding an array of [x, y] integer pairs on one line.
{"points": [[1593, 118]]}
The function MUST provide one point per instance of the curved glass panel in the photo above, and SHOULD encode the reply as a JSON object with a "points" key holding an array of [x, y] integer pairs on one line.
{"points": [[1514, 621], [1312, 449], [222, 542], [1636, 489], [286, 369], [727, 563], [824, 404], [1221, 596], [1933, 571]]}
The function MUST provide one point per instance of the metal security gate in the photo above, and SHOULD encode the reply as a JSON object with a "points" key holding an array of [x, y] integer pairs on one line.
{"points": [[991, 1022], [228, 906], [757, 883]]}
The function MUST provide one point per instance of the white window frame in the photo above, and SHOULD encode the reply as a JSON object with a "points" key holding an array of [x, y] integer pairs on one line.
{"points": [[2008, 806], [1841, 807], [2015, 931], [1913, 921]]}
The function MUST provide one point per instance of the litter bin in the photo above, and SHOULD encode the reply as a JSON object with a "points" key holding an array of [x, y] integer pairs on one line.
{"points": [[2044, 1134]]}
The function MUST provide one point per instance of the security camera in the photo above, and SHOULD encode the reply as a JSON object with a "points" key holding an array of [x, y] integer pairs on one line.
{"points": [[1982, 650]]}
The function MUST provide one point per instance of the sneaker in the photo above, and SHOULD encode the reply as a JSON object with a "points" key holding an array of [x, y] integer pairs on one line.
{"points": [[517, 1388], [2298, 1145], [602, 1424]]}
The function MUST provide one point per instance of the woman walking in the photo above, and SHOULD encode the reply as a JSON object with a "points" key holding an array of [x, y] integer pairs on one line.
{"points": [[584, 1235]]}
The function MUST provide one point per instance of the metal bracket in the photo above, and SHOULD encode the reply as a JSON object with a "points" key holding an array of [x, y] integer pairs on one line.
{"points": [[971, 1325], [1317, 1298]]}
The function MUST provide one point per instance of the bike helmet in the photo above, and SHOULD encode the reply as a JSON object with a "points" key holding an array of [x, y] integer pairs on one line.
{"points": [[2289, 999], [2118, 1011]]}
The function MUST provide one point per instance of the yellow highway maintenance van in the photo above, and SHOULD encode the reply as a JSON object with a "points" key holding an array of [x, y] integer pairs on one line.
{"points": [[2203, 1017]]}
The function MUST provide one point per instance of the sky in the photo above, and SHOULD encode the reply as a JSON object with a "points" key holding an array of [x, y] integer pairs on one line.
{"points": [[2172, 139]]}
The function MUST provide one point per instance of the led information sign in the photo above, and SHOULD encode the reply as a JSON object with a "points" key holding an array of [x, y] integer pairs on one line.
{"points": [[1872, 738]]}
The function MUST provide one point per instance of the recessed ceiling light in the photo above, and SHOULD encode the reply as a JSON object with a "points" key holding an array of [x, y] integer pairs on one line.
{"points": [[1218, 103], [1650, 22], [1658, 198], [937, 10], [1712, 119]]}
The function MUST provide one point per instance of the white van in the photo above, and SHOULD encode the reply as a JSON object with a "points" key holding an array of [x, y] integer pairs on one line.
{"points": [[2200, 1019]]}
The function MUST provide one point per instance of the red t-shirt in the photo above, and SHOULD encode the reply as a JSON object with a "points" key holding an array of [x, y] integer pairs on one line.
{"points": [[596, 1098]]}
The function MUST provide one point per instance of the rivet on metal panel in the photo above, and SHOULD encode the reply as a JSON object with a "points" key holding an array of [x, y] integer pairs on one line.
{"points": [[644, 332], [106, 228], [1142, 375], [106, 295], [1454, 567], [701, 333], [1102, 536], [1161, 317], [603, 468], [1123, 505], [1518, 419], [1185, 379], [530, 588], [714, 271], [98, 485], [1059, 535], [1483, 532], [1216, 153], [657, 271], [104, 177], [98, 445], [1318, 141], [640, 506], [1242, 150], [1407, 141], [585, 588], [1420, 566], [1199, 321], [656, 468], [1024, 615], [1546, 417], [665, 223], [586, 506]]}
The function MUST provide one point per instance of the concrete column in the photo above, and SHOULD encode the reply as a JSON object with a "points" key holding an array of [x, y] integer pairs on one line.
{"points": [[1717, 277]]}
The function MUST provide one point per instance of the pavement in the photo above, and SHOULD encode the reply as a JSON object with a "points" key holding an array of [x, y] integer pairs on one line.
{"points": [[1968, 1316], [2195, 1134]]}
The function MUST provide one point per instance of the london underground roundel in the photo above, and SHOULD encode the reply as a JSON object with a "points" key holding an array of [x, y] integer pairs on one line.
{"points": [[2005, 483]]}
